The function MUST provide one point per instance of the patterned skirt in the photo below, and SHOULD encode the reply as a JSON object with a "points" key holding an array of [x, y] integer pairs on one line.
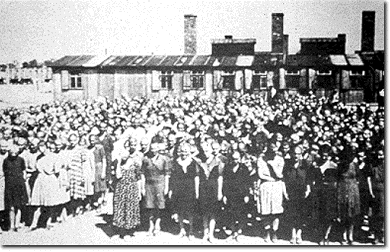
{"points": [[348, 199], [126, 203]]}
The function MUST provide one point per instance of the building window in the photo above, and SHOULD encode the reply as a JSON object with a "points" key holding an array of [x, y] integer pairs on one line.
{"points": [[292, 72], [197, 79], [166, 79], [75, 82], [357, 73], [324, 72], [228, 79], [259, 80]]}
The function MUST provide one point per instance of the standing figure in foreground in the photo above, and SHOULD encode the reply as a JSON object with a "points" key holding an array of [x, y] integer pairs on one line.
{"points": [[236, 193], [127, 192], [377, 191], [184, 185], [155, 180], [100, 164], [210, 191], [298, 189], [15, 193], [349, 197], [271, 192]]}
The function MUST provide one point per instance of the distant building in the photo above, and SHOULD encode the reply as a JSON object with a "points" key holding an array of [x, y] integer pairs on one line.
{"points": [[233, 67]]}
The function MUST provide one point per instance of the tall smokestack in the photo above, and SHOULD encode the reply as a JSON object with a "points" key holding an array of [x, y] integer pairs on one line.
{"points": [[277, 32], [368, 31], [285, 47], [189, 34]]}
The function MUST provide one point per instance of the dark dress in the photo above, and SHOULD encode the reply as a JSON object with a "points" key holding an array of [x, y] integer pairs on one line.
{"points": [[324, 196], [108, 146], [155, 169], [348, 193], [296, 180], [235, 188], [378, 187], [100, 183], [15, 193], [183, 187], [208, 186]]}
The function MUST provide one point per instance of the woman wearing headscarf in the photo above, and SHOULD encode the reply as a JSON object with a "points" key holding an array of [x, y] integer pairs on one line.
{"points": [[127, 192]]}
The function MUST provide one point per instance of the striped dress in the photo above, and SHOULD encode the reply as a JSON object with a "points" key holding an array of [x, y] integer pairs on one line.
{"points": [[75, 159]]}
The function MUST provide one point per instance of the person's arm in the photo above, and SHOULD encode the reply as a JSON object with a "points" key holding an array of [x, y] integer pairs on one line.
{"points": [[369, 182], [143, 178], [220, 186], [118, 170], [197, 187]]}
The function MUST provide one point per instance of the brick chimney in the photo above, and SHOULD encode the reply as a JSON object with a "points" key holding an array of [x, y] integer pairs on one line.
{"points": [[285, 47], [277, 32], [368, 31], [189, 34]]}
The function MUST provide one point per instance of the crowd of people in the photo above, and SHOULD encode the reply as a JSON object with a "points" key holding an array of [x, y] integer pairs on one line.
{"points": [[304, 163]]}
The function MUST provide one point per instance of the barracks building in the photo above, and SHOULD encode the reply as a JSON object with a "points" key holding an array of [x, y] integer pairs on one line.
{"points": [[234, 66]]}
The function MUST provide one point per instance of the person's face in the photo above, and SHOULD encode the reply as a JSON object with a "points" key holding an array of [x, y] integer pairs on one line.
{"points": [[154, 148], [298, 154], [3, 149], [185, 152], [171, 140], [132, 146], [73, 141], [7, 134], [381, 155], [216, 149], [236, 158], [42, 148], [93, 140], [286, 148], [361, 156]]}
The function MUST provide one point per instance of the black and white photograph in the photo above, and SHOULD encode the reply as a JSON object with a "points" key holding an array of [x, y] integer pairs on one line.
{"points": [[192, 123]]}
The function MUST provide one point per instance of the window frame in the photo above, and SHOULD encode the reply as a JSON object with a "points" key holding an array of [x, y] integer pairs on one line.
{"points": [[228, 75], [200, 77], [262, 75], [78, 81], [166, 80], [359, 73], [293, 72], [324, 73]]}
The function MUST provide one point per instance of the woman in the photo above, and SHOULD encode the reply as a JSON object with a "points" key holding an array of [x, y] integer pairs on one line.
{"points": [[155, 178], [298, 189], [99, 164], [75, 159], [184, 187], [271, 191], [46, 190], [127, 192], [349, 197], [15, 192], [236, 190], [324, 183], [377, 191], [210, 191]]}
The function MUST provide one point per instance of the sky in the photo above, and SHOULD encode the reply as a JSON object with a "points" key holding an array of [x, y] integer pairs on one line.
{"points": [[45, 30]]}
